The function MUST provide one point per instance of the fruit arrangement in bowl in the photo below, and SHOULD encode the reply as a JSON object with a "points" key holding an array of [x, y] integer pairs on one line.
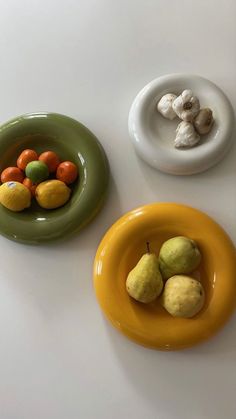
{"points": [[80, 178], [41, 177], [183, 295], [164, 276]]}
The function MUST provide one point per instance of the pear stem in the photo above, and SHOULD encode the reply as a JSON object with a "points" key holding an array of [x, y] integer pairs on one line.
{"points": [[148, 247]]}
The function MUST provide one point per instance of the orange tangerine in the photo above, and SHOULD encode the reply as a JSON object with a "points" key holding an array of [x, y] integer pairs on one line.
{"points": [[30, 185], [26, 157], [51, 159], [12, 174], [67, 172]]}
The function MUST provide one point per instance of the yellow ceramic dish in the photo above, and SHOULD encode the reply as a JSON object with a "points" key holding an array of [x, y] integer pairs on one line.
{"points": [[124, 244]]}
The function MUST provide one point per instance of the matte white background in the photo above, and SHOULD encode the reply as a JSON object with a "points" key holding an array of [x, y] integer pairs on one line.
{"points": [[59, 358]]}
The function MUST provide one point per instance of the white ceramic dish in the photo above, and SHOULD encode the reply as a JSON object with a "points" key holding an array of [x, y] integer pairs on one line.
{"points": [[153, 135]]}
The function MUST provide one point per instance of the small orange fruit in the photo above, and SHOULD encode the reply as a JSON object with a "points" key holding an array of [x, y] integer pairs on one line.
{"points": [[67, 172], [51, 159], [30, 185], [26, 157], [12, 174]]}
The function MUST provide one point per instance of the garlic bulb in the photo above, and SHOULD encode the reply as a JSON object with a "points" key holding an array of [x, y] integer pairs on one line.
{"points": [[204, 121], [164, 106], [186, 136], [186, 106]]}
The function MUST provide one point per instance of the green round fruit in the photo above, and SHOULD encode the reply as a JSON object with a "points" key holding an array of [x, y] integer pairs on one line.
{"points": [[37, 171], [179, 255]]}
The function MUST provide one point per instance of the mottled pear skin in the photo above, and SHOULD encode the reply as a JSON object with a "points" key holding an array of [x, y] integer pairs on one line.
{"points": [[183, 296], [179, 255], [144, 283]]}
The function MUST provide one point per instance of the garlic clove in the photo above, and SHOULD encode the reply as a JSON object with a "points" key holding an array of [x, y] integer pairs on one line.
{"points": [[186, 106], [204, 121], [186, 136], [164, 106]]}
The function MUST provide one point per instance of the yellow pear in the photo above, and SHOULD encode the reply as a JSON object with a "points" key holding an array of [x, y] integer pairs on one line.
{"points": [[144, 283], [183, 296]]}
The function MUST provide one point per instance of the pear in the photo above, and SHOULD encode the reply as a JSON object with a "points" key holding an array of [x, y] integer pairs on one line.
{"points": [[144, 283], [183, 296], [179, 255]]}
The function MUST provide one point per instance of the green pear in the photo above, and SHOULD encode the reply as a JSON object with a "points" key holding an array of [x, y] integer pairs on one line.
{"points": [[179, 255], [144, 283]]}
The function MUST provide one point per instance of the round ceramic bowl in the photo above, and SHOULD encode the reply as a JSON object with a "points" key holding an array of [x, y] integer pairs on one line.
{"points": [[122, 247], [153, 135], [71, 141]]}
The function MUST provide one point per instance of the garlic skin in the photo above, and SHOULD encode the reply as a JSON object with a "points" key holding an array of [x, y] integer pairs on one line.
{"points": [[186, 136], [164, 106], [204, 121], [186, 106]]}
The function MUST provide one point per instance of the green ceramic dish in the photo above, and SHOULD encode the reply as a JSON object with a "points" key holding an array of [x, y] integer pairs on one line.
{"points": [[72, 141]]}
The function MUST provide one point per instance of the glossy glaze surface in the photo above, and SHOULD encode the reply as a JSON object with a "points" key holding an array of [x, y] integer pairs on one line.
{"points": [[153, 135], [124, 244], [71, 141]]}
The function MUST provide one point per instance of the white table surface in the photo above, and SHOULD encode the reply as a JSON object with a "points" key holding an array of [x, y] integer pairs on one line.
{"points": [[59, 358]]}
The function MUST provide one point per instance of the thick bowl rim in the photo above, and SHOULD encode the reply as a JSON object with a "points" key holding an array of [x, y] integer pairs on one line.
{"points": [[128, 316], [91, 191], [170, 160]]}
